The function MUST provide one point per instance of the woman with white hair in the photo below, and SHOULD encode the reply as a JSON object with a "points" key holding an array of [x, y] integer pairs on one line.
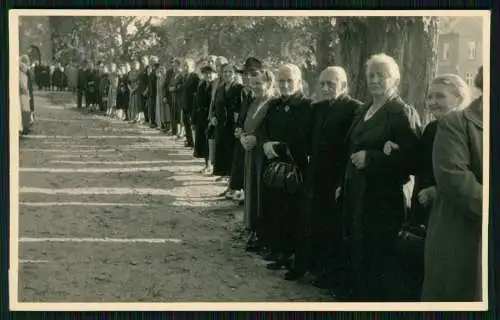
{"points": [[372, 198], [285, 137], [321, 234]]}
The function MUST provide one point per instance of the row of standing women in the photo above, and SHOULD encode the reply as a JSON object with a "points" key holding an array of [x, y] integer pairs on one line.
{"points": [[344, 223]]}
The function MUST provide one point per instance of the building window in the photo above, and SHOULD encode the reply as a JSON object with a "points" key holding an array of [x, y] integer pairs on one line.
{"points": [[468, 79], [472, 50], [446, 50]]}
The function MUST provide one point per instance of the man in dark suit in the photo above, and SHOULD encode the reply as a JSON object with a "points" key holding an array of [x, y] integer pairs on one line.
{"points": [[319, 249]]}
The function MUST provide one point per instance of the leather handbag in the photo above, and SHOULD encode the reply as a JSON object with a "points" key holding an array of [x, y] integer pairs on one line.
{"points": [[410, 241], [283, 175]]}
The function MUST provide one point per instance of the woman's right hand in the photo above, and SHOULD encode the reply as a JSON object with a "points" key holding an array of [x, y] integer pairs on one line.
{"points": [[389, 146], [238, 132], [269, 149], [337, 193], [213, 121]]}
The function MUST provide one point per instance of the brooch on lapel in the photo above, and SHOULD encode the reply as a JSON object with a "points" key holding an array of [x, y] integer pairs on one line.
{"points": [[287, 108]]}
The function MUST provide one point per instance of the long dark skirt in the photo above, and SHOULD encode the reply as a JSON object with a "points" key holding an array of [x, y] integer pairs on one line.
{"points": [[376, 272], [280, 212], [224, 149], [237, 168], [201, 139], [252, 188], [122, 100]]}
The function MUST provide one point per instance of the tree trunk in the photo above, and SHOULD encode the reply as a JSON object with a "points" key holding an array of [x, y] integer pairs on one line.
{"points": [[411, 41]]}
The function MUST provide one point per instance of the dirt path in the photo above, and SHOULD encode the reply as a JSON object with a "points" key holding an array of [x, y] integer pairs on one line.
{"points": [[114, 212]]}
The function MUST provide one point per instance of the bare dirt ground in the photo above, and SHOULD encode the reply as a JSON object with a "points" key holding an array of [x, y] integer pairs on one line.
{"points": [[114, 212]]}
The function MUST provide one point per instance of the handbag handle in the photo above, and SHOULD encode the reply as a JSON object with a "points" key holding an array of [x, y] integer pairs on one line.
{"points": [[289, 154]]}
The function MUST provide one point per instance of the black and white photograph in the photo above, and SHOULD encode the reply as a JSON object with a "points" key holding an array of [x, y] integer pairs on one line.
{"points": [[249, 160]]}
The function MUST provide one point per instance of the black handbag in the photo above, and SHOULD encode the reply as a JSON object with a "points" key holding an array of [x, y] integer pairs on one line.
{"points": [[410, 242], [283, 175]]}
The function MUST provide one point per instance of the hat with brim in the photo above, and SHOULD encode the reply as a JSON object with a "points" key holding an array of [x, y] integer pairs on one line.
{"points": [[251, 64], [207, 69]]}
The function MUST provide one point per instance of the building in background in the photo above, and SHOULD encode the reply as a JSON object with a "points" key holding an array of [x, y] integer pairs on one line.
{"points": [[35, 38], [460, 47]]}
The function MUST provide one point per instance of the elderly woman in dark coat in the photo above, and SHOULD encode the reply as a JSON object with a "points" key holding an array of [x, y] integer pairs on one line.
{"points": [[454, 238], [320, 246], [373, 202], [227, 101], [285, 128]]}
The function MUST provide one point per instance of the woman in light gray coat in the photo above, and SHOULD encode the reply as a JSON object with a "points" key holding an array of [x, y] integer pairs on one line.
{"points": [[454, 235]]}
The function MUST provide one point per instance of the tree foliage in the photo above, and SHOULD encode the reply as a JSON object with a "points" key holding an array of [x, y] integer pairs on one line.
{"points": [[310, 42]]}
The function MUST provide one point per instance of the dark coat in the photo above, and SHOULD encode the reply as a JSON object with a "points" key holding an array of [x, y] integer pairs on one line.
{"points": [[166, 92], [187, 92], [81, 79], [92, 86], [373, 202], [453, 244], [227, 104], [328, 157], [287, 122], [200, 118], [424, 175], [123, 93]]}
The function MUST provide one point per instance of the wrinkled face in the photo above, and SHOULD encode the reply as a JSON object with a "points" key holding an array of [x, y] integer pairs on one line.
{"points": [[331, 84], [288, 82], [228, 74], [441, 98], [379, 79], [259, 85]]}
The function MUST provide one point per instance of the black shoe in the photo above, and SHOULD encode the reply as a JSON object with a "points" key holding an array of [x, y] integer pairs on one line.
{"points": [[292, 275], [321, 283], [279, 264], [270, 256]]}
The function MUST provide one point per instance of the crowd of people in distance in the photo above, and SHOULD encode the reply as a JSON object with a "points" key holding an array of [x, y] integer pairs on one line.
{"points": [[323, 179]]}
